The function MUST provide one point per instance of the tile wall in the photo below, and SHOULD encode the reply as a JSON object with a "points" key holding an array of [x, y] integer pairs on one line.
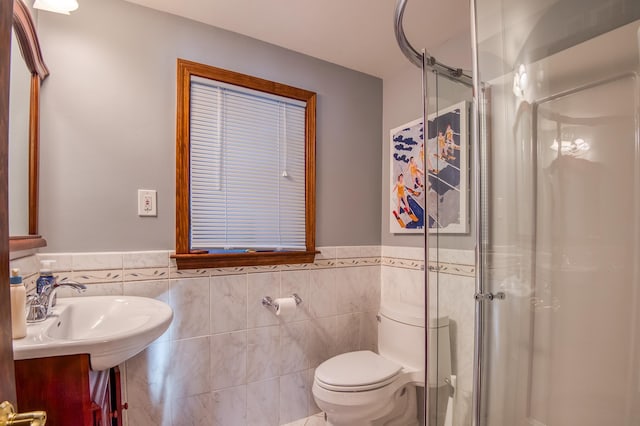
{"points": [[452, 283], [227, 360]]}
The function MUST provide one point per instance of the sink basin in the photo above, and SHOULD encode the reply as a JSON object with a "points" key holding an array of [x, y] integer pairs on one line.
{"points": [[111, 329]]}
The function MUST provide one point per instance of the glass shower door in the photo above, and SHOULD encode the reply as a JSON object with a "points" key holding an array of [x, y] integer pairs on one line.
{"points": [[561, 212], [451, 274]]}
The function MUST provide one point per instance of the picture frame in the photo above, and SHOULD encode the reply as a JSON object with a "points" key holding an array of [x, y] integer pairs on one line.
{"points": [[442, 182]]}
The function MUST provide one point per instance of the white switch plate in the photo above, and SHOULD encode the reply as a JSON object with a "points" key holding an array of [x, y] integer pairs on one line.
{"points": [[147, 202]]}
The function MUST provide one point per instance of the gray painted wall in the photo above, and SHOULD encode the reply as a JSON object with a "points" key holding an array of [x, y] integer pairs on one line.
{"points": [[403, 103], [108, 126]]}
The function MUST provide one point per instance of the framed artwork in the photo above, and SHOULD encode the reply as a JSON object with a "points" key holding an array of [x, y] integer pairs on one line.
{"points": [[435, 173]]}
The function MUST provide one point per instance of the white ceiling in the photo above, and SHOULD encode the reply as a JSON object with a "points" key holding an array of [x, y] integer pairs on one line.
{"points": [[357, 34]]}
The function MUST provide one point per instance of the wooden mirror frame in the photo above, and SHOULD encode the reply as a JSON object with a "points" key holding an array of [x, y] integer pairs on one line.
{"points": [[27, 37]]}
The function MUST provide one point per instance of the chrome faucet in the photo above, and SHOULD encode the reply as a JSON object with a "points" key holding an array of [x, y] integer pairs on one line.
{"points": [[39, 305]]}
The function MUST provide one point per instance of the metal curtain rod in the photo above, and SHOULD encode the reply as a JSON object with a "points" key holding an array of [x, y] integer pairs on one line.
{"points": [[415, 57]]}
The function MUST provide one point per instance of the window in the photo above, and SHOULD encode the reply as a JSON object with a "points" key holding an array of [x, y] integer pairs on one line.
{"points": [[245, 170]]}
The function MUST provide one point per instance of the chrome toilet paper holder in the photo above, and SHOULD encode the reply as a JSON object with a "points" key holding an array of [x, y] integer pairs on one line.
{"points": [[268, 302]]}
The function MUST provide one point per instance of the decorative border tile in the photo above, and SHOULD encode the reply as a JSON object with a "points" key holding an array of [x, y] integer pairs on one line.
{"points": [[453, 269], [97, 277], [150, 265], [403, 263], [146, 274]]}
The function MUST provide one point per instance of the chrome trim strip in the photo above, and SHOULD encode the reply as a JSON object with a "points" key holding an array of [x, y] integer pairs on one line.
{"points": [[423, 60], [425, 114], [412, 54], [479, 311]]}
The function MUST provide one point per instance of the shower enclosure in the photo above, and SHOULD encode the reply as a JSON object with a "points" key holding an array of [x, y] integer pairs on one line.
{"points": [[559, 101], [556, 186]]}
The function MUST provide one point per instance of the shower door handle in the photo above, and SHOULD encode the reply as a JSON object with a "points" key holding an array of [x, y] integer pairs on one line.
{"points": [[480, 297]]}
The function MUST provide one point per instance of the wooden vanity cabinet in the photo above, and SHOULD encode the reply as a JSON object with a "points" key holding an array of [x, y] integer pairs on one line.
{"points": [[70, 393]]}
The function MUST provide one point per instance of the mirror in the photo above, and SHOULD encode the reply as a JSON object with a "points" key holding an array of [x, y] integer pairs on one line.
{"points": [[19, 99], [28, 70]]}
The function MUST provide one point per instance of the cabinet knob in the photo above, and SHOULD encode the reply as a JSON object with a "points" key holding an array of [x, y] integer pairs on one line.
{"points": [[9, 417]]}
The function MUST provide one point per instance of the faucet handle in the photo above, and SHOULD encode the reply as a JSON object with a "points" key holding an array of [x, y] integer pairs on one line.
{"points": [[36, 309]]}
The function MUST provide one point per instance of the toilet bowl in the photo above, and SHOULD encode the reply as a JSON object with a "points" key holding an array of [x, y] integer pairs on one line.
{"points": [[363, 388]]}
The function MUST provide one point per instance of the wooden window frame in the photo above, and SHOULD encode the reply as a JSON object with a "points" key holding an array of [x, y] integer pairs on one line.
{"points": [[197, 259]]}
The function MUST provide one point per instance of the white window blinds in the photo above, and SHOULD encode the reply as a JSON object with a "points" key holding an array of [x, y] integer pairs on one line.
{"points": [[247, 161]]}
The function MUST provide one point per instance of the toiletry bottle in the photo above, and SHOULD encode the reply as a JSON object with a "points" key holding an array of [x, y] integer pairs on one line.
{"points": [[18, 305], [46, 277]]}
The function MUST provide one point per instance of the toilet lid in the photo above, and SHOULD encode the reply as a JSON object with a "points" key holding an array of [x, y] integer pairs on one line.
{"points": [[355, 370]]}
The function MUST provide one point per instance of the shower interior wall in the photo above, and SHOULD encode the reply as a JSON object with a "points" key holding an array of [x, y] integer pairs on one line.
{"points": [[563, 240]]}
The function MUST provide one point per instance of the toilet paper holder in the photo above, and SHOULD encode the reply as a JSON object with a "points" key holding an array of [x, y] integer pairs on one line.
{"points": [[268, 302]]}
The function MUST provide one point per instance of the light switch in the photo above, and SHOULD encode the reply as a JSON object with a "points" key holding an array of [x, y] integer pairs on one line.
{"points": [[147, 202]]}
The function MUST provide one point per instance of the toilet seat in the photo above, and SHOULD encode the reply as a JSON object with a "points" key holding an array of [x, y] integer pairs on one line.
{"points": [[356, 372]]}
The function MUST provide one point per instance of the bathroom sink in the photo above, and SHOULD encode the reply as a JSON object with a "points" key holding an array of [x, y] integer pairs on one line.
{"points": [[111, 329]]}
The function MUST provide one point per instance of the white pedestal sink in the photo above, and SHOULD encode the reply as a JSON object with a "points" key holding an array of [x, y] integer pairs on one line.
{"points": [[111, 329]]}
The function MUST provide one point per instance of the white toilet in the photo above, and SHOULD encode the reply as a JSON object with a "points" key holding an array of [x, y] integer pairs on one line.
{"points": [[366, 389]]}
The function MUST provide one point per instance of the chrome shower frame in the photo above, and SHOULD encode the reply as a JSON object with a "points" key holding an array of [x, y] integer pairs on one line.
{"points": [[426, 62], [481, 232]]}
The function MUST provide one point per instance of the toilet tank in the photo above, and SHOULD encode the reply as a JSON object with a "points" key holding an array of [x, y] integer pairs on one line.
{"points": [[401, 338]]}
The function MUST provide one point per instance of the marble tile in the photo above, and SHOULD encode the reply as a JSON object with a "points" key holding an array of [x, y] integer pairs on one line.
{"points": [[388, 251], [147, 383], [321, 340], [230, 407], [190, 367], [263, 353], [63, 261], [457, 302], [313, 407], [322, 292], [347, 333], [158, 290], [261, 285], [347, 252], [369, 331], [196, 410], [228, 303], [263, 403], [370, 251], [296, 282], [461, 257], [109, 289], [145, 259], [189, 299], [326, 253], [347, 297], [402, 284], [228, 359], [415, 253], [294, 400], [28, 265], [96, 261], [351, 284], [370, 288], [293, 347]]}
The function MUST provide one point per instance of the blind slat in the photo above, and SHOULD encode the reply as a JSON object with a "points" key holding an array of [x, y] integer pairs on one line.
{"points": [[241, 143]]}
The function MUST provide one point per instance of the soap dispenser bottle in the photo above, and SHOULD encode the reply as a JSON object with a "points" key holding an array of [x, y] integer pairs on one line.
{"points": [[18, 305], [46, 277]]}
